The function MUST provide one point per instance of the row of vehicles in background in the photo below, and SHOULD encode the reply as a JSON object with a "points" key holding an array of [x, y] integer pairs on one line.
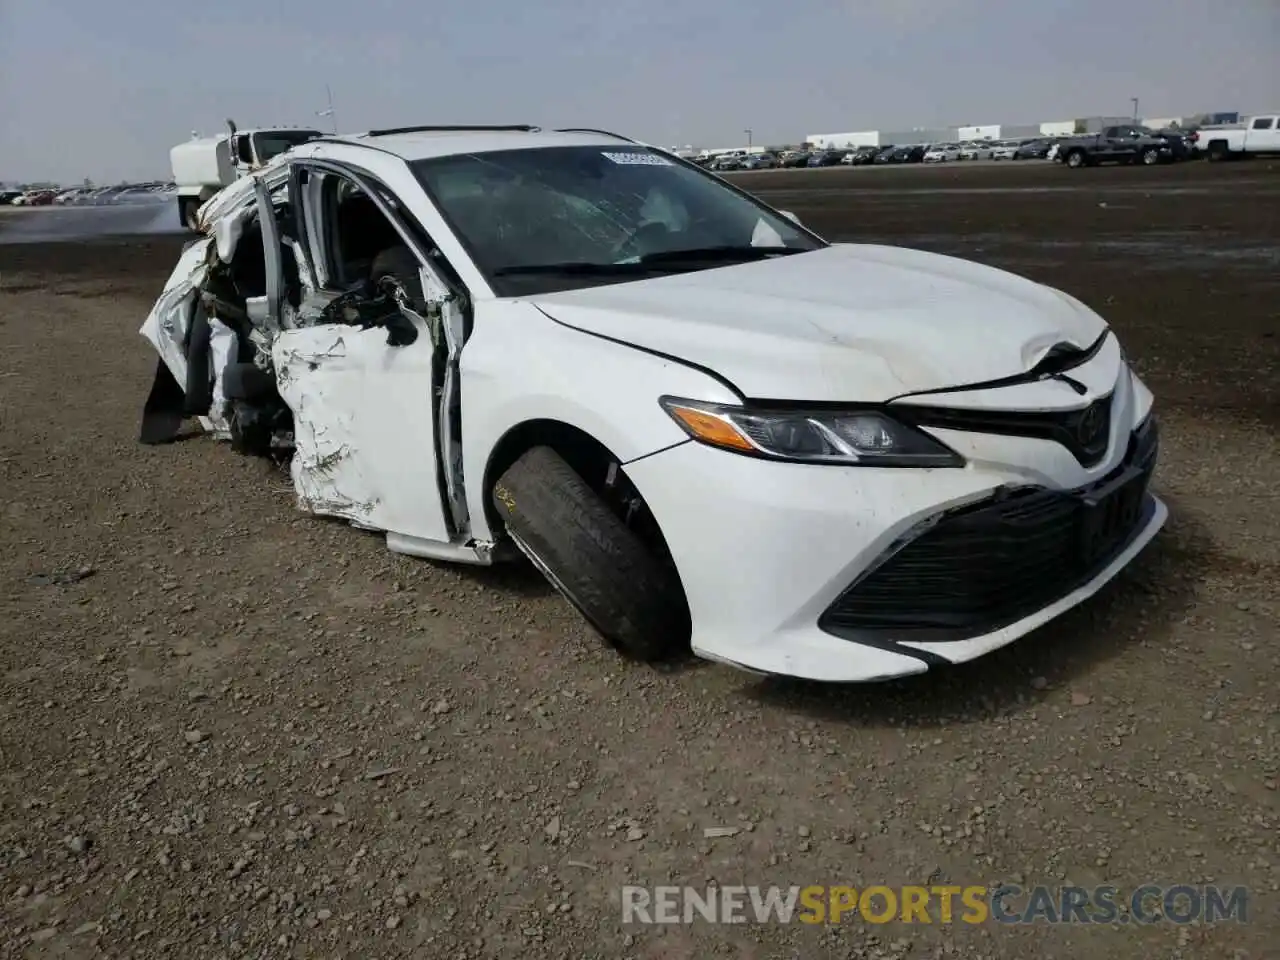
{"points": [[88, 196], [1124, 143], [1030, 149], [1256, 136], [27, 198], [204, 165]]}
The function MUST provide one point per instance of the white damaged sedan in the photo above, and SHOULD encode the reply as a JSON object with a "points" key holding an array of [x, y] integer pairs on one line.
{"points": [[707, 426]]}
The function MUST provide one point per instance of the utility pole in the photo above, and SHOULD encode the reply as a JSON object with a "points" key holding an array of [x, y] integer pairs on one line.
{"points": [[748, 133], [1135, 109], [328, 111]]}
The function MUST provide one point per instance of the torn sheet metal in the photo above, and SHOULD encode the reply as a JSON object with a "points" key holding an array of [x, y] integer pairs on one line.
{"points": [[228, 231], [364, 437], [223, 348], [241, 192], [167, 325]]}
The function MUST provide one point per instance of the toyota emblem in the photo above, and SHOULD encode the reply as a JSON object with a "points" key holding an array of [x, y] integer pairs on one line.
{"points": [[1091, 425]]}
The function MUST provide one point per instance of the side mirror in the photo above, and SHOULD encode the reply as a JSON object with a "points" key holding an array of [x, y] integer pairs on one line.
{"points": [[231, 126], [790, 216], [242, 150]]}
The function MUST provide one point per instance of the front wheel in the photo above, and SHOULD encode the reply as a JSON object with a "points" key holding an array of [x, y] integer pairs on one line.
{"points": [[1150, 156], [1075, 159], [188, 207], [613, 578]]}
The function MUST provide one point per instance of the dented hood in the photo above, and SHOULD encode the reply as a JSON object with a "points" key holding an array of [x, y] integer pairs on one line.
{"points": [[851, 322]]}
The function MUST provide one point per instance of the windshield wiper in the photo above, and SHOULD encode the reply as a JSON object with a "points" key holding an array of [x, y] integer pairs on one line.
{"points": [[661, 260], [573, 268], [737, 252]]}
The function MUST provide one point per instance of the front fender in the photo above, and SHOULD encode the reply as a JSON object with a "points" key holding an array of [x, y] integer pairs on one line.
{"points": [[520, 365]]}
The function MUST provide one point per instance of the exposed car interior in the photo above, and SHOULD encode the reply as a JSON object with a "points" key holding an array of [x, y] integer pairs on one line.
{"points": [[360, 233], [363, 251]]}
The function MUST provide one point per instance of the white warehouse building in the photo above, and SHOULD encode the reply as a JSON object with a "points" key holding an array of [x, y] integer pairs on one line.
{"points": [[1058, 128], [999, 131], [922, 135], [990, 131], [838, 141]]}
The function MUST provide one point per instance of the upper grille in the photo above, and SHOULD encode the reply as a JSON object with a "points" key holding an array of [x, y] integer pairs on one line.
{"points": [[986, 565], [1086, 433]]}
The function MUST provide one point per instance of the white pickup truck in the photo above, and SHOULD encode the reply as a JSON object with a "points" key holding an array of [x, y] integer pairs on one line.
{"points": [[204, 165], [1257, 136]]}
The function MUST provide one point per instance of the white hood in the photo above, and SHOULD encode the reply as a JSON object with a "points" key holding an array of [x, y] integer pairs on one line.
{"points": [[852, 322]]}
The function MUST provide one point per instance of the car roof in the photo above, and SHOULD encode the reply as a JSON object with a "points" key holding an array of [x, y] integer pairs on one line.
{"points": [[411, 145]]}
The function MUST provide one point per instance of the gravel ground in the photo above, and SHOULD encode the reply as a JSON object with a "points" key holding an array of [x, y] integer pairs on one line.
{"points": [[231, 730]]}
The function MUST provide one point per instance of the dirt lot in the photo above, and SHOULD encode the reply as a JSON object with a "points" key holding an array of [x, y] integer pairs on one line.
{"points": [[247, 732]]}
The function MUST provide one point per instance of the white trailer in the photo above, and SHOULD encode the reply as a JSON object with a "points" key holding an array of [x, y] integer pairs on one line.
{"points": [[204, 165]]}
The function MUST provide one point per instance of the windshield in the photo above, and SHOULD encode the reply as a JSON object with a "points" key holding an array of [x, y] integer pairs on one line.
{"points": [[272, 143], [558, 218]]}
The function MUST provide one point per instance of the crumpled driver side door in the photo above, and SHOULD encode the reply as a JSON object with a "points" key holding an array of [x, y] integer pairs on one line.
{"points": [[365, 433]]}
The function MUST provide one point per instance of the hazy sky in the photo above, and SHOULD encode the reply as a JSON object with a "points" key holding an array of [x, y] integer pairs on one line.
{"points": [[103, 90]]}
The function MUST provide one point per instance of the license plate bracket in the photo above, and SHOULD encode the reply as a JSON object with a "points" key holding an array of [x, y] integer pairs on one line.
{"points": [[1109, 515]]}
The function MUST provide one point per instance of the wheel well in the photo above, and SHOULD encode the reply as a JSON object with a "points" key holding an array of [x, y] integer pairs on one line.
{"points": [[588, 457]]}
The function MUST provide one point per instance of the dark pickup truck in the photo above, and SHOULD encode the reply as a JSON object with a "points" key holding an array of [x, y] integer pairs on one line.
{"points": [[1125, 144]]}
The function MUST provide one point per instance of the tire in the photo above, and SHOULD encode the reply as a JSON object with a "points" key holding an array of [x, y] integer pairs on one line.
{"points": [[248, 382], [1150, 157], [631, 598], [198, 391], [1217, 152], [250, 429], [1075, 159], [187, 209]]}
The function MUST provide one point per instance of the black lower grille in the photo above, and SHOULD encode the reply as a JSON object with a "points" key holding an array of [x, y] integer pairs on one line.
{"points": [[983, 566]]}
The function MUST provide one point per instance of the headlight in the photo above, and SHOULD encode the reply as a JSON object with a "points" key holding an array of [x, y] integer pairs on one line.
{"points": [[868, 438]]}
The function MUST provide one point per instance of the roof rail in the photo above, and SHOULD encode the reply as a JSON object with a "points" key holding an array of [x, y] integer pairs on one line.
{"points": [[442, 128], [607, 133]]}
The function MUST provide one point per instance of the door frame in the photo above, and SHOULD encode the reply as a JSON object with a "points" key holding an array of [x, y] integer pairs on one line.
{"points": [[447, 306]]}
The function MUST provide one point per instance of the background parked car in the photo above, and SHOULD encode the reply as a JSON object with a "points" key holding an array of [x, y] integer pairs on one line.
{"points": [[976, 150], [798, 159], [865, 155], [759, 161], [1257, 136], [1122, 143], [1182, 143], [1004, 149], [942, 153], [905, 154], [8, 196], [826, 158], [1037, 149]]}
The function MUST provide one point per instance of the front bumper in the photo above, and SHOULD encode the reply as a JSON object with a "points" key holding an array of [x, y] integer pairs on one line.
{"points": [[858, 574]]}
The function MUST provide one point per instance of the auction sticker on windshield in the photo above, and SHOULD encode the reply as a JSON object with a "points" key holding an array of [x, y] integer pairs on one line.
{"points": [[651, 159]]}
